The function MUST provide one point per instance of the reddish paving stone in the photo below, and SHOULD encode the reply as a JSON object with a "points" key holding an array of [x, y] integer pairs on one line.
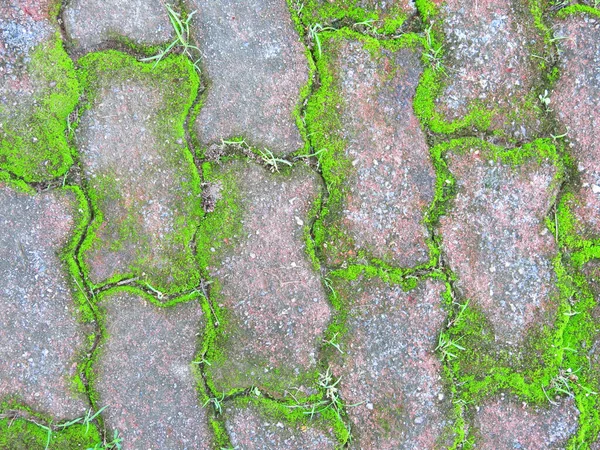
{"points": [[275, 305], [507, 423], [89, 23], [139, 171], [488, 49], [391, 181], [495, 239], [256, 66], [144, 374], [389, 368], [40, 337], [576, 100], [250, 429], [38, 90]]}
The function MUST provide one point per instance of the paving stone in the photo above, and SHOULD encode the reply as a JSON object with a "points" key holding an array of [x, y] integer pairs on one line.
{"points": [[38, 90], [576, 101], [139, 170], [488, 50], [495, 240], [89, 23], [250, 429], [256, 66], [275, 305], [508, 423], [389, 368], [390, 181], [41, 340], [144, 374]]}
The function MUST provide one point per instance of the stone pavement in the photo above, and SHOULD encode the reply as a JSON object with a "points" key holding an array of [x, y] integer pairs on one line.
{"points": [[271, 224]]}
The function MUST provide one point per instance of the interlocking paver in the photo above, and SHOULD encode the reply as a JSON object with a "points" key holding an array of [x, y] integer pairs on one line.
{"points": [[389, 180], [274, 303], [256, 66], [389, 371], [496, 241], [507, 423], [41, 340], [489, 47], [144, 375], [139, 171], [250, 429], [89, 23], [38, 90], [576, 100]]}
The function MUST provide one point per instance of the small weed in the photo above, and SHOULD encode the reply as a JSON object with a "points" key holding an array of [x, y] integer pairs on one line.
{"points": [[115, 444], [217, 403], [333, 343], [545, 99], [181, 41], [86, 420], [368, 23], [564, 382], [433, 51], [313, 35], [446, 345], [271, 161]]}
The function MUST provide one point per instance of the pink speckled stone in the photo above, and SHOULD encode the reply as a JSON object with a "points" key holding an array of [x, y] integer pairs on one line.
{"points": [[256, 66], [495, 239], [576, 100], [144, 374], [389, 369], [249, 429], [488, 58], [506, 423], [392, 179], [41, 340], [275, 304]]}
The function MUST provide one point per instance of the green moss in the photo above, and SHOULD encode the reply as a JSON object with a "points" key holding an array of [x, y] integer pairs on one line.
{"points": [[178, 271], [578, 9], [33, 144], [24, 435]]}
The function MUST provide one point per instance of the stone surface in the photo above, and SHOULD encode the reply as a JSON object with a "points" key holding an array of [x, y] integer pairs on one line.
{"points": [[508, 423], [139, 171], [389, 368], [390, 185], [256, 66], [144, 374], [38, 90], [250, 429], [495, 240], [275, 304], [488, 51], [576, 100], [89, 23], [41, 340]]}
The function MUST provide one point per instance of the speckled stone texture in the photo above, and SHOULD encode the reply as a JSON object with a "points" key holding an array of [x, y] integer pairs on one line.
{"points": [[142, 178], [496, 241], [507, 423], [249, 429], [488, 51], [256, 65], [274, 301], [391, 183], [90, 23], [144, 374], [389, 368], [576, 100], [41, 340]]}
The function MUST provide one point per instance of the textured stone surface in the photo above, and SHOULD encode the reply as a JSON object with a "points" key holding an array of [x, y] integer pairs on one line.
{"points": [[249, 429], [507, 423], [37, 91], [496, 241], [576, 100], [256, 66], [140, 172], [144, 374], [488, 50], [389, 369], [40, 338], [275, 303], [92, 22], [391, 183]]}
